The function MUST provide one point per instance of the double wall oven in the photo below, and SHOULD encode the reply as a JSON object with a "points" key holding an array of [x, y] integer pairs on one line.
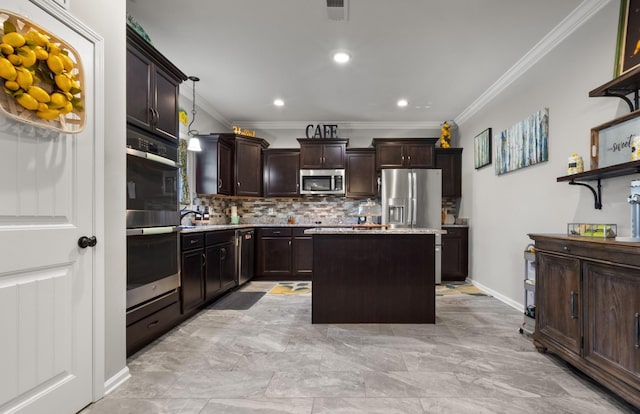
{"points": [[153, 218]]}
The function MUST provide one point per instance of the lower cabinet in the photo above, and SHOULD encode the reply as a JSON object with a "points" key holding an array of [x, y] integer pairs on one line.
{"points": [[588, 308], [284, 253], [192, 271], [220, 263], [455, 254]]}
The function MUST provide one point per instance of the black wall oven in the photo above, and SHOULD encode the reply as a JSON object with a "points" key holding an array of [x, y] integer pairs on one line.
{"points": [[153, 218]]}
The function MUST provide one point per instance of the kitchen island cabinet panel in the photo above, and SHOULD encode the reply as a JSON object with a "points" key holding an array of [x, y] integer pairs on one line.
{"points": [[355, 283]]}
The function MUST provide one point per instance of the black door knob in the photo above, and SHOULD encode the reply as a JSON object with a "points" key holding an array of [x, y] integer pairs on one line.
{"points": [[85, 241]]}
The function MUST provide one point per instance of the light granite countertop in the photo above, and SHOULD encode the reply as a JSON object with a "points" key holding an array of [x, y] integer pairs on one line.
{"points": [[216, 227], [349, 230]]}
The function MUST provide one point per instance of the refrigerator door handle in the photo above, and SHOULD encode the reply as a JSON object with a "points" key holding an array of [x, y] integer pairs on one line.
{"points": [[410, 197], [414, 199]]}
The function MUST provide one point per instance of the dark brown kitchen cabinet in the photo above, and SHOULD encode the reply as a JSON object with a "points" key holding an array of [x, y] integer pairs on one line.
{"points": [[192, 285], [404, 152], [361, 173], [455, 254], [146, 323], [220, 268], [588, 307], [449, 160], [275, 250], [284, 253], [281, 172], [322, 153], [302, 260], [248, 166], [152, 88], [230, 164]]}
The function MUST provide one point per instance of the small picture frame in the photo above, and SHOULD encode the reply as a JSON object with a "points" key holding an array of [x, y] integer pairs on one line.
{"points": [[482, 149], [628, 47]]}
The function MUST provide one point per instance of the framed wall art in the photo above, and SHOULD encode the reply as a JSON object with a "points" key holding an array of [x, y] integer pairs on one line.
{"points": [[611, 141], [482, 149], [628, 47], [523, 144]]}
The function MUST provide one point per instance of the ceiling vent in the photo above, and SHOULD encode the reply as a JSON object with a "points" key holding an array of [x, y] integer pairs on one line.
{"points": [[338, 9]]}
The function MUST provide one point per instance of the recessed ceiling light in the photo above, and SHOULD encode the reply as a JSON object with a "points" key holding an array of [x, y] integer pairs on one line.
{"points": [[402, 103], [278, 102], [341, 57]]}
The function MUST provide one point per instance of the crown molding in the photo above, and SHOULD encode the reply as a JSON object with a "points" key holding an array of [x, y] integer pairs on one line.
{"points": [[206, 106], [583, 13], [298, 125]]}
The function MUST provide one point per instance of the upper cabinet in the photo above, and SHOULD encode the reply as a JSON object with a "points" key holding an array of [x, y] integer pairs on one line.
{"points": [[281, 172], [152, 88], [449, 160], [230, 164], [322, 153], [405, 152], [361, 173]]}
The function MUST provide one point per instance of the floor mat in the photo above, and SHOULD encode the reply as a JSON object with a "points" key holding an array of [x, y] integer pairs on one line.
{"points": [[291, 288], [458, 289], [238, 301]]}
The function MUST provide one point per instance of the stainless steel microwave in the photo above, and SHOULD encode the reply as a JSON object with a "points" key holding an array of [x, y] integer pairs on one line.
{"points": [[322, 182]]}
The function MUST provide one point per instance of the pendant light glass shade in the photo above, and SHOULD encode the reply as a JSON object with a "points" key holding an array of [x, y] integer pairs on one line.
{"points": [[194, 143]]}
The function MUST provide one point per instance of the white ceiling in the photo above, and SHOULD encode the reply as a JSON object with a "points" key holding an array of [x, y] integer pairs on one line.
{"points": [[440, 55]]}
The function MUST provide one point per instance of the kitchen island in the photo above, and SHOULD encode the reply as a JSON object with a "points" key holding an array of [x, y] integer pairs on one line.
{"points": [[373, 276]]}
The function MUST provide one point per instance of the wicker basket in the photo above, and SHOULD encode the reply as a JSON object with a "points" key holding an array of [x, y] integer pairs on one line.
{"points": [[71, 123]]}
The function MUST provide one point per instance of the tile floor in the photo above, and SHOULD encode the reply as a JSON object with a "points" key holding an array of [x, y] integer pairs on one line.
{"points": [[271, 359]]}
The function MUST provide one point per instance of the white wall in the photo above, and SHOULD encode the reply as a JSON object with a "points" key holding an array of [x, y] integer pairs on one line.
{"points": [[107, 18], [504, 209]]}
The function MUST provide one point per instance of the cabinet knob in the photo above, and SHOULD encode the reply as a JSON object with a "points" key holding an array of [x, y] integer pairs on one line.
{"points": [[566, 248], [219, 182]]}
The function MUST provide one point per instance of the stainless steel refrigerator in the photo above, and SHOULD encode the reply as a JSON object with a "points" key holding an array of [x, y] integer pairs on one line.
{"points": [[413, 199]]}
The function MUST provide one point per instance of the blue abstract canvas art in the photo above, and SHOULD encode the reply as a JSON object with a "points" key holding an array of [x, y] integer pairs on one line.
{"points": [[523, 144]]}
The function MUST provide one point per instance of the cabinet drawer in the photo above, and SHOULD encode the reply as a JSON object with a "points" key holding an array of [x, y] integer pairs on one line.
{"points": [[218, 237], [454, 231], [276, 232], [192, 241], [299, 232], [147, 329]]}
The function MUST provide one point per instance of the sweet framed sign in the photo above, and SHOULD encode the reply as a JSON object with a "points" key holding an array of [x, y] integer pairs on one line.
{"points": [[611, 141]]}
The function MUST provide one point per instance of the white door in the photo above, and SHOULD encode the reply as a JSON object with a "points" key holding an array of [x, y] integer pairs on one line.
{"points": [[47, 202]]}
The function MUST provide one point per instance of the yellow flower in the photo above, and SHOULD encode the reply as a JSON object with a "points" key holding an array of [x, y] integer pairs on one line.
{"points": [[184, 118]]}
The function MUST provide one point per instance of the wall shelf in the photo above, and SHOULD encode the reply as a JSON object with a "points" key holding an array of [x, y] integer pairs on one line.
{"points": [[621, 87], [598, 174]]}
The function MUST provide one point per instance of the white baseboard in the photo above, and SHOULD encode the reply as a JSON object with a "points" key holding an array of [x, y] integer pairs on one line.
{"points": [[515, 305], [117, 380]]}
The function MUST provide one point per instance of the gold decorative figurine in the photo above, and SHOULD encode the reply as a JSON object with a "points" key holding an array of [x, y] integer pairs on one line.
{"points": [[445, 135]]}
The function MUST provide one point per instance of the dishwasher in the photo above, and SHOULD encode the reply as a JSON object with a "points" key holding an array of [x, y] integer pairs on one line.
{"points": [[246, 247]]}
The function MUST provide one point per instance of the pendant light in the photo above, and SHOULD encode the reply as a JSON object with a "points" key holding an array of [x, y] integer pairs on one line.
{"points": [[194, 143]]}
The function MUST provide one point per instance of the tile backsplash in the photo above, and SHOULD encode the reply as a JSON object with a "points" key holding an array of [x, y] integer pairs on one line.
{"points": [[307, 209]]}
